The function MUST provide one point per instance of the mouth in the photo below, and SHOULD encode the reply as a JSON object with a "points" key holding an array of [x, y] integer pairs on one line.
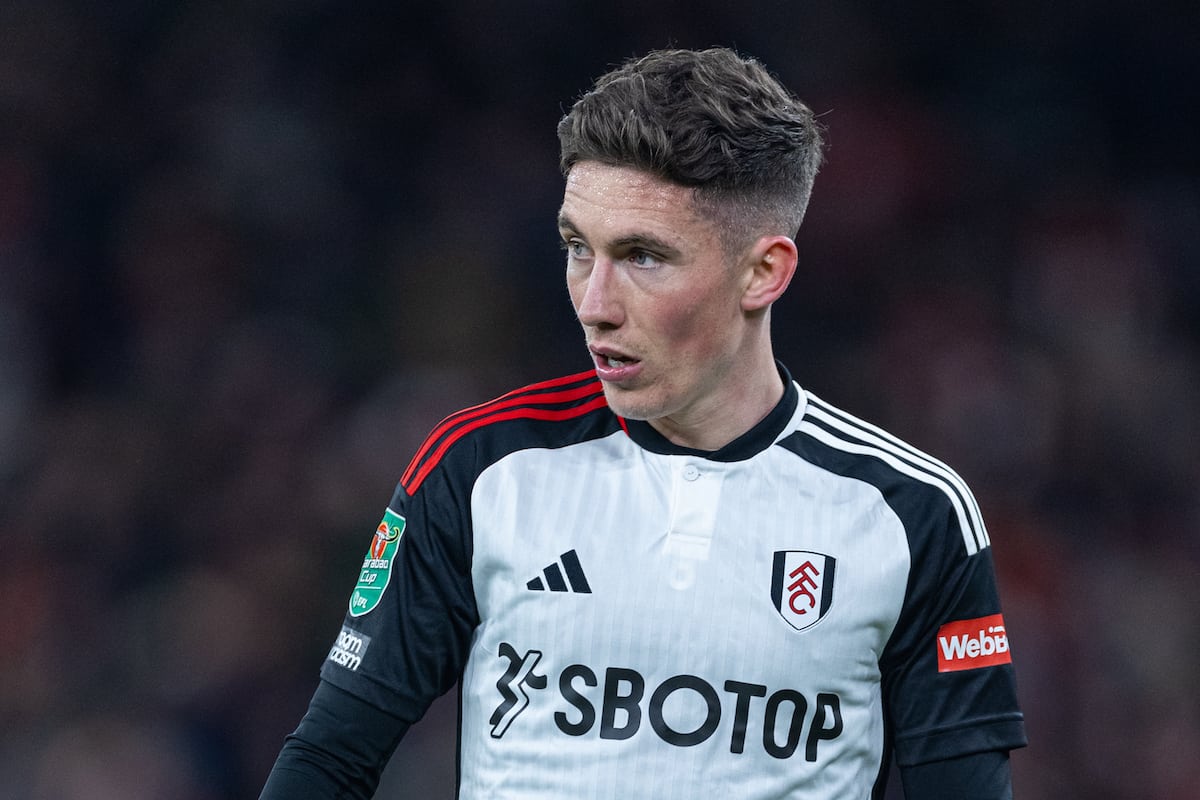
{"points": [[613, 365], [611, 356]]}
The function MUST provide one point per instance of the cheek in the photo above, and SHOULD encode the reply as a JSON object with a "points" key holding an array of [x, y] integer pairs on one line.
{"points": [[690, 326]]}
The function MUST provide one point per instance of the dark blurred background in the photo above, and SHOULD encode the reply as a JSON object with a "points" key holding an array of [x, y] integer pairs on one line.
{"points": [[251, 252]]}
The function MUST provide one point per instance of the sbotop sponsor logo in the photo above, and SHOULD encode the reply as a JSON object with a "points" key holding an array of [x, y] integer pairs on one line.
{"points": [[973, 643], [617, 703]]}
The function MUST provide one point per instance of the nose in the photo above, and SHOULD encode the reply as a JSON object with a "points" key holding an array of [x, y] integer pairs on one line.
{"points": [[597, 297]]}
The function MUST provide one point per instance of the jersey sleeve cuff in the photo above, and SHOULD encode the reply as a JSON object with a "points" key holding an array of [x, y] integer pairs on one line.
{"points": [[374, 693], [1006, 733]]}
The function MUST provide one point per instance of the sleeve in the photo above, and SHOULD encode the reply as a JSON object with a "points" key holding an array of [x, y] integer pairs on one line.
{"points": [[949, 688], [406, 634], [980, 776], [339, 750]]}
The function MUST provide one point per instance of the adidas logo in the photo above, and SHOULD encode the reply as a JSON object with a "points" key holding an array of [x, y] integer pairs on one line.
{"points": [[574, 581]]}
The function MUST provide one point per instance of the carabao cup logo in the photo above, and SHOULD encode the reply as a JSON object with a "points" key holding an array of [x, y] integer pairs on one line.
{"points": [[802, 586], [377, 565], [383, 535]]}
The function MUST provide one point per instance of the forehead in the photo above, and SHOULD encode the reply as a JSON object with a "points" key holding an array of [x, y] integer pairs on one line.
{"points": [[605, 197]]}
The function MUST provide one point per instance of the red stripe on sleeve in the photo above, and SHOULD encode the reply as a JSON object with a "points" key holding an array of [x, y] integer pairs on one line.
{"points": [[534, 393], [526, 412]]}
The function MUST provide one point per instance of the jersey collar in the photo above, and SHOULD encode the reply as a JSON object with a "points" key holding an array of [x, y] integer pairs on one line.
{"points": [[749, 444]]}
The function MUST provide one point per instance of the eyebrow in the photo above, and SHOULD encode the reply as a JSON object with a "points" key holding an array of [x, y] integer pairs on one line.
{"points": [[633, 241], [565, 224]]}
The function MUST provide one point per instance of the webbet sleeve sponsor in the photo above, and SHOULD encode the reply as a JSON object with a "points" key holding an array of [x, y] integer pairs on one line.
{"points": [[972, 643]]}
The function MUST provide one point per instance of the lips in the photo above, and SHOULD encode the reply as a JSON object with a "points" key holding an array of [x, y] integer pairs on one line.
{"points": [[613, 365]]}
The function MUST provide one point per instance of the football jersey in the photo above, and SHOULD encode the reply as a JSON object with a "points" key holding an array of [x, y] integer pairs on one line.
{"points": [[631, 618]]}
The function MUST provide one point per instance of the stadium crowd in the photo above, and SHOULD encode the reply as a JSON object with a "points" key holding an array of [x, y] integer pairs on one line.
{"points": [[249, 256]]}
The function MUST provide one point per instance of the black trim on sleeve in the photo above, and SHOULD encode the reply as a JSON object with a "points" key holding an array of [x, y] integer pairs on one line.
{"points": [[338, 751]]}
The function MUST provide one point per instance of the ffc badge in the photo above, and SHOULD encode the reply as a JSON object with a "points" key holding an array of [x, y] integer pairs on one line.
{"points": [[802, 586], [377, 565]]}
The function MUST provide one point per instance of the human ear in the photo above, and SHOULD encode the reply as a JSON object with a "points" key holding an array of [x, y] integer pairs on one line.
{"points": [[772, 263]]}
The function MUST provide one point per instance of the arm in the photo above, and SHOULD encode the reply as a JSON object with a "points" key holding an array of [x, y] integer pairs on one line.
{"points": [[979, 776], [339, 750], [402, 644]]}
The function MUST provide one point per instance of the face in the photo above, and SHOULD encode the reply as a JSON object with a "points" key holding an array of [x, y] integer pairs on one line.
{"points": [[660, 302]]}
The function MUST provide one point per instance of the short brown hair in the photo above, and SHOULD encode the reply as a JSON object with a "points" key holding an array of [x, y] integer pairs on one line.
{"points": [[708, 119]]}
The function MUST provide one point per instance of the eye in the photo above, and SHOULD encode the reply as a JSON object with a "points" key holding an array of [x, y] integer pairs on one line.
{"points": [[643, 259], [575, 249]]}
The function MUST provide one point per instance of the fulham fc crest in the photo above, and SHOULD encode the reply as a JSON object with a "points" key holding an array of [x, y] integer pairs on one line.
{"points": [[802, 586]]}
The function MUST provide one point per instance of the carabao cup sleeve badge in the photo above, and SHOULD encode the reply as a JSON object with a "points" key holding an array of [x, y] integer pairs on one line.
{"points": [[377, 565]]}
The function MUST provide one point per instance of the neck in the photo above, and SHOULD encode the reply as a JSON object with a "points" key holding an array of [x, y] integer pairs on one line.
{"points": [[745, 401]]}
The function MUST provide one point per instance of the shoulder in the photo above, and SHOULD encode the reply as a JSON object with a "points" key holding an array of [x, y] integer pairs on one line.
{"points": [[919, 487], [553, 413]]}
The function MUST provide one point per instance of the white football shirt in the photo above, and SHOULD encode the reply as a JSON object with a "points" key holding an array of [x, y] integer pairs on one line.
{"points": [[630, 618]]}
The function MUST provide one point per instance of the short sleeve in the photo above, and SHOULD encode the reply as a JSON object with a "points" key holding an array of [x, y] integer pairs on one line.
{"points": [[949, 686], [409, 620]]}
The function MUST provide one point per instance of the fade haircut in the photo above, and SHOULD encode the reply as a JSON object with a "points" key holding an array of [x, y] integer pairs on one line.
{"points": [[710, 120]]}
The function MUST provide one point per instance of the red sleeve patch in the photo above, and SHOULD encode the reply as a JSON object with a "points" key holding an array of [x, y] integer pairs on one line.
{"points": [[972, 643]]}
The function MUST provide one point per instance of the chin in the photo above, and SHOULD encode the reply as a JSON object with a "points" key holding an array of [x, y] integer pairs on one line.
{"points": [[631, 405]]}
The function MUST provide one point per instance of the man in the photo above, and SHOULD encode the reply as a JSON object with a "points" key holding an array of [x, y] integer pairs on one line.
{"points": [[677, 574]]}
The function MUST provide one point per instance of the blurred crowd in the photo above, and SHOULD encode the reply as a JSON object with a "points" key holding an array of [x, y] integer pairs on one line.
{"points": [[250, 253]]}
